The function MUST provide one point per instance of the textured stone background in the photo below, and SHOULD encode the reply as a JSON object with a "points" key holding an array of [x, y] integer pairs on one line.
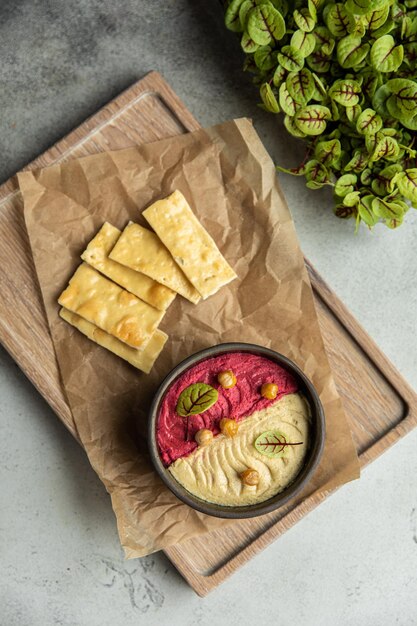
{"points": [[353, 560]]}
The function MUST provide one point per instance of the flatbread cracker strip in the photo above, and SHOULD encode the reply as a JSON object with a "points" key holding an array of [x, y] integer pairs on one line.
{"points": [[191, 246], [141, 250], [141, 359], [111, 308], [148, 290]]}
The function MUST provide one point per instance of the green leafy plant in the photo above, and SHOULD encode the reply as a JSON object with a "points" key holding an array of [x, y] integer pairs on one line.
{"points": [[344, 76]]}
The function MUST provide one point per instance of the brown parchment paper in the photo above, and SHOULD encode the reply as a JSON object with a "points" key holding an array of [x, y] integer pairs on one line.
{"points": [[229, 179]]}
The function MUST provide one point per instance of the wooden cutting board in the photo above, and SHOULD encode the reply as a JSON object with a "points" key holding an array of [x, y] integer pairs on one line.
{"points": [[146, 112]]}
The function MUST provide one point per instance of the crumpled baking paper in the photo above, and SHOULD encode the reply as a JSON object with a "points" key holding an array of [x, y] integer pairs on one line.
{"points": [[229, 179]]}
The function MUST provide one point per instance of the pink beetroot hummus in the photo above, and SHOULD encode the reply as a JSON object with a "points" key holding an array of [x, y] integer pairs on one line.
{"points": [[176, 438]]}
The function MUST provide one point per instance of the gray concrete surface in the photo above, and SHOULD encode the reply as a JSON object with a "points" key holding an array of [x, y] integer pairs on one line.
{"points": [[353, 561]]}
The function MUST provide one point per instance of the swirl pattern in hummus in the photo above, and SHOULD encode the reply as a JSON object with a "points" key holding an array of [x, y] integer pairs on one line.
{"points": [[212, 472]]}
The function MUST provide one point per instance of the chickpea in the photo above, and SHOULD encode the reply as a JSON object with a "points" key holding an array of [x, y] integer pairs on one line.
{"points": [[269, 391], [226, 379], [250, 477], [228, 427], [203, 437]]}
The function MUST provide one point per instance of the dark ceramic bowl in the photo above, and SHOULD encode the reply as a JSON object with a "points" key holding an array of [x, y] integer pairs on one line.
{"points": [[312, 458]]}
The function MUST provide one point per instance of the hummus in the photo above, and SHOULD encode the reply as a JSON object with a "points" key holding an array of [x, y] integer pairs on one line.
{"points": [[212, 472]]}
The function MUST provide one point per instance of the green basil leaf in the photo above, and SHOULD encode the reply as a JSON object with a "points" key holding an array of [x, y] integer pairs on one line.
{"points": [[311, 119], [345, 184], [196, 399], [346, 92], [386, 56], [290, 59], [351, 51], [265, 24], [268, 98], [274, 444]]}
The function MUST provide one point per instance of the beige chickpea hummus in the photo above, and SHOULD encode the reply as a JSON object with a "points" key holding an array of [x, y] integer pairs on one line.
{"points": [[212, 472]]}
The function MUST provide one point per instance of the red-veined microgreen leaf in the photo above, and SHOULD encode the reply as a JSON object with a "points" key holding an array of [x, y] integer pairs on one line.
{"points": [[378, 17], [345, 184], [364, 208], [304, 20], [351, 51], [301, 86], [386, 56], [265, 58], [328, 152], [346, 92], [386, 148], [274, 443], [292, 127], [268, 98], [231, 18], [286, 101], [196, 399], [368, 122], [387, 210], [311, 119], [303, 42], [337, 19], [407, 184], [290, 59], [248, 45], [265, 24]]}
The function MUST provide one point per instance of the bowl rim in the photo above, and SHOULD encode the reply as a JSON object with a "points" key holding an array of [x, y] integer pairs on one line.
{"points": [[252, 510]]}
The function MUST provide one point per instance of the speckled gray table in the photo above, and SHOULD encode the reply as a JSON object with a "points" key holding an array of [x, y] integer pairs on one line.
{"points": [[351, 561]]}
